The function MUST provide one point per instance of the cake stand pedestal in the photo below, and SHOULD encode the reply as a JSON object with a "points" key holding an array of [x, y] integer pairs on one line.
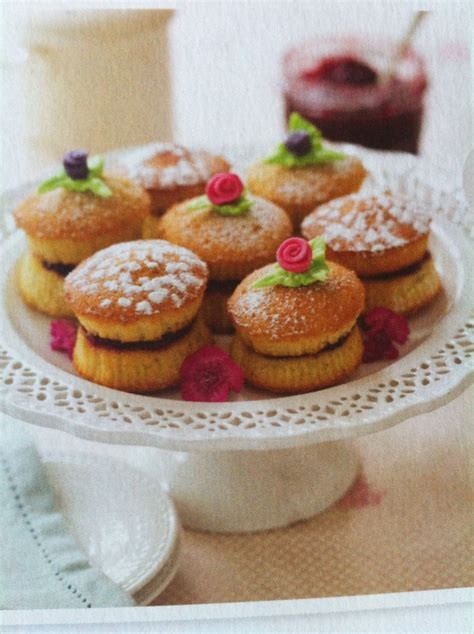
{"points": [[258, 462], [245, 491]]}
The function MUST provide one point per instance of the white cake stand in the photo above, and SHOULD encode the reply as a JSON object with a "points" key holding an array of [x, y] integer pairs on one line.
{"points": [[258, 462]]}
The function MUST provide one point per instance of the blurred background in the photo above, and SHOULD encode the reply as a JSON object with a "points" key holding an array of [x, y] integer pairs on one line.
{"points": [[206, 74]]}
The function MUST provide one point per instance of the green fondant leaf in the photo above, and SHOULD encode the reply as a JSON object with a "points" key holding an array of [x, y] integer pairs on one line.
{"points": [[318, 247], [237, 208], [297, 122], [325, 155], [96, 164], [93, 183], [98, 187], [199, 203], [317, 155], [52, 183]]}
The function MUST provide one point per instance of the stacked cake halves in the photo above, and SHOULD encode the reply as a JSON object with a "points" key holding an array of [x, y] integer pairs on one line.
{"points": [[137, 304]]}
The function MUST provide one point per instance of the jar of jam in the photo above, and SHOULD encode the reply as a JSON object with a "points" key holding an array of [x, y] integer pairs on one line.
{"points": [[345, 88]]}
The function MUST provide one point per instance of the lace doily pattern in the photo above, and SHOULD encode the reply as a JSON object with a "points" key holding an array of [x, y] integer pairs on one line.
{"points": [[349, 408]]}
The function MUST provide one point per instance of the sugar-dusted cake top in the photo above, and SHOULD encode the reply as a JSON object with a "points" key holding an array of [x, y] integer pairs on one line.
{"points": [[73, 215], [238, 244], [133, 279], [168, 165], [321, 310], [371, 223]]}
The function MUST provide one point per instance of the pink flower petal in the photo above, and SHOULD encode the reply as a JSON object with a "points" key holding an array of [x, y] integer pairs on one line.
{"points": [[361, 495], [397, 328], [63, 336], [208, 374], [376, 343], [192, 391], [211, 354], [382, 327], [377, 317], [390, 352]]}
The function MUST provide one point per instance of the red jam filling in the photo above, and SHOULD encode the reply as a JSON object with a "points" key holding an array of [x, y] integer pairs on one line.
{"points": [[408, 270], [57, 267], [130, 346], [223, 286]]}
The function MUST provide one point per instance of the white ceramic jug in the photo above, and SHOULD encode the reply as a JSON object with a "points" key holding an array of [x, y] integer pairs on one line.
{"points": [[95, 79]]}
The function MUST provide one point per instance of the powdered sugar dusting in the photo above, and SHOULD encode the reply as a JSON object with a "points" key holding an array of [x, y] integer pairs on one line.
{"points": [[158, 296], [316, 181], [110, 285], [368, 223], [119, 282], [174, 267], [61, 214], [176, 299], [144, 307], [257, 304], [185, 167], [258, 232]]}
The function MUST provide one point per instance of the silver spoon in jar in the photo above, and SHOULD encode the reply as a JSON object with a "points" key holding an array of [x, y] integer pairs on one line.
{"points": [[403, 45]]}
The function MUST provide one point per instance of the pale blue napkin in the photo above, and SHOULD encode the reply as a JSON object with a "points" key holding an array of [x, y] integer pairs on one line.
{"points": [[41, 565]]}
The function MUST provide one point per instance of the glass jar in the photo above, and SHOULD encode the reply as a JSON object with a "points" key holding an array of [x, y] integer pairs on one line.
{"points": [[326, 82]]}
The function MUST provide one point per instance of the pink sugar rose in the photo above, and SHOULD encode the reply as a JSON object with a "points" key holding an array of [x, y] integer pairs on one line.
{"points": [[224, 188], [209, 374], [295, 255], [63, 335]]}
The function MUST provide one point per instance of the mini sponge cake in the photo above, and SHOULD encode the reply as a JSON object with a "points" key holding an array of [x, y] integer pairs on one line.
{"points": [[64, 227], [299, 190], [384, 239], [232, 247], [292, 340], [137, 304], [170, 173]]}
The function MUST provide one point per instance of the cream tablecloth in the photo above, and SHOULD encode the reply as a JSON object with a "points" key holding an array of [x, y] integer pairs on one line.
{"points": [[418, 537]]}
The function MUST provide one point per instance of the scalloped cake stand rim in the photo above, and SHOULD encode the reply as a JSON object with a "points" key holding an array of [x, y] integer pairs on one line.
{"points": [[143, 438]]}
